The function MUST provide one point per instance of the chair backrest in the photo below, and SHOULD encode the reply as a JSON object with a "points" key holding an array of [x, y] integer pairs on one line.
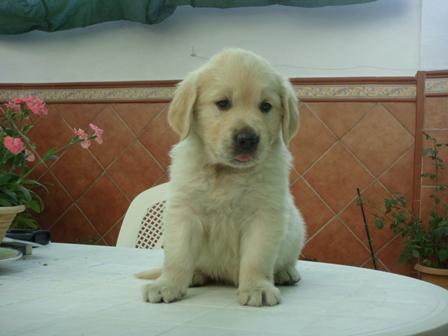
{"points": [[143, 223]]}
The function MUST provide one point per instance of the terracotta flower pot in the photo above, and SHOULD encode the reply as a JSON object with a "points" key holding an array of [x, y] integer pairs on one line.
{"points": [[436, 276], [7, 215]]}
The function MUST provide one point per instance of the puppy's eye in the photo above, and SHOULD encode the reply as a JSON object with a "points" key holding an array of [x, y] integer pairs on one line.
{"points": [[224, 104], [265, 107]]}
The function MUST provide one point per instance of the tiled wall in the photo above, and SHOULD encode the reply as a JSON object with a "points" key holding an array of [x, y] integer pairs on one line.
{"points": [[91, 189], [434, 123], [354, 134], [344, 146]]}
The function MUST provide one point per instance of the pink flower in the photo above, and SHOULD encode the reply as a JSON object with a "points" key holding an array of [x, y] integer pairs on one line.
{"points": [[29, 155], [83, 136], [36, 105], [14, 145], [98, 133], [13, 106]]}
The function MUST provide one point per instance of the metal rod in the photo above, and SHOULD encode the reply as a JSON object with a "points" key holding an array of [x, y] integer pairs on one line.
{"points": [[372, 253]]}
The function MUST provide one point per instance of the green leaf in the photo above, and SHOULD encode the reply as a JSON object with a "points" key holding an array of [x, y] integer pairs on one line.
{"points": [[379, 222], [24, 220], [50, 155], [430, 152], [11, 195], [4, 202], [27, 128], [440, 232], [33, 183], [400, 216], [428, 252], [5, 178], [443, 255], [432, 176], [415, 253], [26, 193], [35, 206]]}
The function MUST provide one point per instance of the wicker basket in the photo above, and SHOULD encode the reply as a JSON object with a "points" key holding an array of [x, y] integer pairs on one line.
{"points": [[7, 215]]}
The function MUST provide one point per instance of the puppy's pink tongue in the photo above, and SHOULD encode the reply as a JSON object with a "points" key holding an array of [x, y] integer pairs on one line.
{"points": [[244, 157]]}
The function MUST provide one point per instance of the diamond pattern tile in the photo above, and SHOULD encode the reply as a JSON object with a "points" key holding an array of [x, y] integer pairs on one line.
{"points": [[103, 204], [137, 116], [135, 170], [116, 136], [93, 188], [306, 147], [74, 227], [374, 205], [112, 236], [56, 200], [335, 244], [379, 264], [315, 212], [336, 176], [378, 140], [340, 117], [80, 115], [404, 112], [399, 178], [77, 169], [50, 131], [158, 138]]}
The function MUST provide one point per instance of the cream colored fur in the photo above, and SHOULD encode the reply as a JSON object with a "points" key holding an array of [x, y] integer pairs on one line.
{"points": [[230, 221]]}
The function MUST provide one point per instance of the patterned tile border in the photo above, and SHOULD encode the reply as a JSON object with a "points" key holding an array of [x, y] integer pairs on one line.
{"points": [[92, 94], [358, 91], [317, 91], [436, 85]]}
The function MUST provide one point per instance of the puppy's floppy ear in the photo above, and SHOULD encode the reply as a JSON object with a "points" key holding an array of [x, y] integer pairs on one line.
{"points": [[180, 113], [290, 122]]}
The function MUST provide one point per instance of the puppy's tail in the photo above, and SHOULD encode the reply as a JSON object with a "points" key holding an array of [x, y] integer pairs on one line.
{"points": [[149, 275]]}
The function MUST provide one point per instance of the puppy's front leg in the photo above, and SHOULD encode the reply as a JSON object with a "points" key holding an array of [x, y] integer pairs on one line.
{"points": [[259, 249], [182, 236]]}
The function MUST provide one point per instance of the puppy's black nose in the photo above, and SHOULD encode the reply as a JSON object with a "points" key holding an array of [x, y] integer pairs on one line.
{"points": [[246, 141]]}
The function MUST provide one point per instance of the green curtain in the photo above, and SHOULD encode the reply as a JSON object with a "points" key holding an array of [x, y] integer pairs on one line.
{"points": [[19, 16]]}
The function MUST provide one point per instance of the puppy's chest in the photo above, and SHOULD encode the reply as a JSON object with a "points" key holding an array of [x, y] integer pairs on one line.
{"points": [[227, 197], [225, 207], [225, 216]]}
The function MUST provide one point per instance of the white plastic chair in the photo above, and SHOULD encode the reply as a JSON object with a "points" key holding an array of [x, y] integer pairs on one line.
{"points": [[143, 223]]}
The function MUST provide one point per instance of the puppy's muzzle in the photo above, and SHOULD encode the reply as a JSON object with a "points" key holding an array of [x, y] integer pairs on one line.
{"points": [[245, 141]]}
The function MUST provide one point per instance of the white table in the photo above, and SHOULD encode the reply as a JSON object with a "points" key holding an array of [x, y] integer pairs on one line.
{"points": [[90, 290]]}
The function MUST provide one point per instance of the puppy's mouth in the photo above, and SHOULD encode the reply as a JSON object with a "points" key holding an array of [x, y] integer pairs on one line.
{"points": [[244, 158]]}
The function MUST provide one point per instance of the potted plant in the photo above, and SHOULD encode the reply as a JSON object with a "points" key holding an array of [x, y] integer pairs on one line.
{"points": [[19, 159], [425, 240]]}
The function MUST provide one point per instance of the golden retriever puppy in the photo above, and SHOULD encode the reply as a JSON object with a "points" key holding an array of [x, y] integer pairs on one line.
{"points": [[230, 216]]}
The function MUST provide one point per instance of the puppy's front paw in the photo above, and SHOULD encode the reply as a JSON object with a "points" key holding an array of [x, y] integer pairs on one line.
{"points": [[163, 291], [287, 277], [262, 295]]}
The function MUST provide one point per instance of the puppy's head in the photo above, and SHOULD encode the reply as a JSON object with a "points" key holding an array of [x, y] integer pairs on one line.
{"points": [[238, 105]]}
